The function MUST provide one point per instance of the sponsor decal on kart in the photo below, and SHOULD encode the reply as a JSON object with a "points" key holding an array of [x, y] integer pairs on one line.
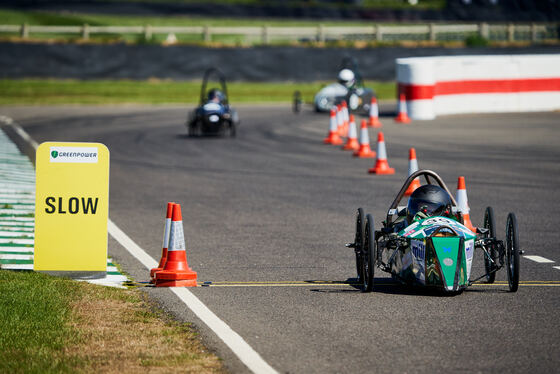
{"points": [[406, 261], [418, 249], [439, 221], [212, 106], [469, 251]]}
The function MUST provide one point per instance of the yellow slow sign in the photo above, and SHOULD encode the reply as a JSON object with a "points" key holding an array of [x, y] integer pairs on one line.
{"points": [[71, 207]]}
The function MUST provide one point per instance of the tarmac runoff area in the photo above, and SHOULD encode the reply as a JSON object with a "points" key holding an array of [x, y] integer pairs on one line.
{"points": [[285, 285]]}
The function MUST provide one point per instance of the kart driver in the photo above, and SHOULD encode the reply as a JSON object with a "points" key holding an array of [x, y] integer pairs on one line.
{"points": [[215, 96], [347, 78], [427, 201]]}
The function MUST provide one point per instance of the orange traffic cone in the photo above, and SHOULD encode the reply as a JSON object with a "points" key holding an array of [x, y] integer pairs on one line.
{"points": [[381, 164], [345, 118], [333, 137], [176, 271], [374, 114], [340, 120], [402, 116], [412, 167], [352, 142], [166, 231], [463, 203], [364, 151]]}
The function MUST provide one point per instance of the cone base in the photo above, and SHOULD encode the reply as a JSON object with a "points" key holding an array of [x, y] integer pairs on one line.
{"points": [[334, 140], [381, 168], [351, 146], [467, 222], [364, 154], [153, 274], [374, 122], [175, 275], [176, 283], [402, 118]]}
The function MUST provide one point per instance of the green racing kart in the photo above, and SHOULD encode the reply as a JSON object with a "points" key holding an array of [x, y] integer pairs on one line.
{"points": [[432, 251]]}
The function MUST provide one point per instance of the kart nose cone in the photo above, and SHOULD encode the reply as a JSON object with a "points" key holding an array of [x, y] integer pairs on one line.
{"points": [[449, 254]]}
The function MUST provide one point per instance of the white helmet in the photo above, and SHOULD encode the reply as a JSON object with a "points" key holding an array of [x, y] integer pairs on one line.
{"points": [[346, 77]]}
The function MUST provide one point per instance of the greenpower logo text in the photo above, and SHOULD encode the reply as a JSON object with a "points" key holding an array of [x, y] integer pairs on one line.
{"points": [[87, 155]]}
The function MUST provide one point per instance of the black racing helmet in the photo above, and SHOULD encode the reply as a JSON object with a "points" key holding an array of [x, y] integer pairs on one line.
{"points": [[428, 200], [214, 94]]}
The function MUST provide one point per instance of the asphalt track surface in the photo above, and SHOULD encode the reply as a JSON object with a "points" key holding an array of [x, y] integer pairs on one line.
{"points": [[275, 206]]}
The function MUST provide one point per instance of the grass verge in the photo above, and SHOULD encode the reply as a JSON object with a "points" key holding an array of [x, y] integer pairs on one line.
{"points": [[56, 325], [52, 92]]}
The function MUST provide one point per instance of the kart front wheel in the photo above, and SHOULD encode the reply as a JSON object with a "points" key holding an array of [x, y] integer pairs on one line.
{"points": [[370, 254], [512, 252], [490, 256], [359, 244]]}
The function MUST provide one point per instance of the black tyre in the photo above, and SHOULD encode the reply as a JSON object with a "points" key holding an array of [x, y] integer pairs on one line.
{"points": [[232, 130], [512, 252], [297, 102], [490, 261], [359, 244], [370, 254], [194, 129]]}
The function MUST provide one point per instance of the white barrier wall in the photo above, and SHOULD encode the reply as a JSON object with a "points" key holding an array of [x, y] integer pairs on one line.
{"points": [[476, 84]]}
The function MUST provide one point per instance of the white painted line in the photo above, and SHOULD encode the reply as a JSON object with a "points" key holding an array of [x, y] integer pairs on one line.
{"points": [[16, 257], [130, 246], [16, 249], [21, 132], [17, 266], [17, 241], [539, 259], [233, 340], [556, 267], [17, 219], [16, 234]]}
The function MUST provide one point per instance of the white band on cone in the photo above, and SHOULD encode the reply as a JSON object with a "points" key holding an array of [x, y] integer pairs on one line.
{"points": [[333, 124], [412, 166], [381, 151], [364, 136], [352, 133], [373, 110], [462, 201], [166, 232], [176, 237]]}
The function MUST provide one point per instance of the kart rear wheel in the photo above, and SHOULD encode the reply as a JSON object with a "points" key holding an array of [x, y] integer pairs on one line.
{"points": [[359, 244], [512, 252], [490, 262], [232, 130], [370, 254]]}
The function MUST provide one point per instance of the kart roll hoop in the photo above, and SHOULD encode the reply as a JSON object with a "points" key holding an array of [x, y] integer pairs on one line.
{"points": [[428, 175]]}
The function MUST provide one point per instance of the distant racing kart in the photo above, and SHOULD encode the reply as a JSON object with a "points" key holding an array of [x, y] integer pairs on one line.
{"points": [[433, 251], [213, 116], [358, 97]]}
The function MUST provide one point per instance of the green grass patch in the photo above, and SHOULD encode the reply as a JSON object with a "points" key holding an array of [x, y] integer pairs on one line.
{"points": [[52, 92], [11, 17], [57, 325], [35, 330]]}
